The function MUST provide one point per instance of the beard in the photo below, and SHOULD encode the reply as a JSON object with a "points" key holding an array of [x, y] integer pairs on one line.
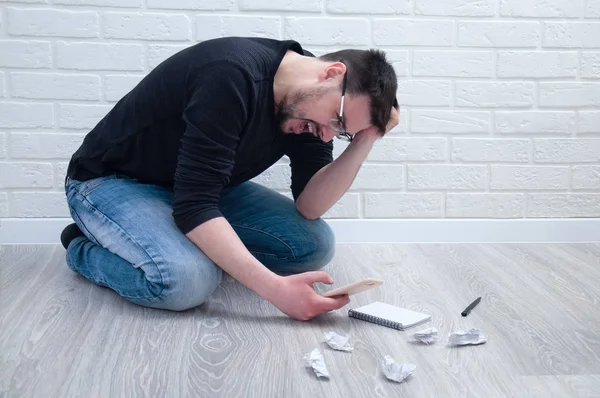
{"points": [[288, 109], [290, 115]]}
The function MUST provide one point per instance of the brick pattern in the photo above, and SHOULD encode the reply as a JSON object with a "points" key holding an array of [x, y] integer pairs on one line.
{"points": [[500, 98]]}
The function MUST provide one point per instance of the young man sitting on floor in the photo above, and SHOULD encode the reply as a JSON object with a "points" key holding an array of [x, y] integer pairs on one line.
{"points": [[160, 192]]}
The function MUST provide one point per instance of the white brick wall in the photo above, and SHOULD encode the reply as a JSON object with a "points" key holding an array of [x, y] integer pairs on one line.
{"points": [[79, 116], [277, 177], [191, 4], [290, 5], [424, 92], [159, 52], [390, 7], [401, 32], [529, 178], [564, 205], [480, 8], [572, 34], [569, 94], [209, 26], [495, 94], [26, 114], [400, 60], [400, 149], [55, 86], [535, 122], [3, 204], [453, 63], [485, 205], [542, 8], [43, 146], [26, 175], [2, 145], [449, 122], [106, 3], [592, 9], [25, 54], [586, 177], [47, 22], [590, 65], [379, 177], [445, 177], [567, 150], [589, 122], [99, 56], [498, 34], [403, 205], [37, 204], [490, 150], [534, 64], [116, 86], [146, 26], [500, 99], [327, 31], [347, 207]]}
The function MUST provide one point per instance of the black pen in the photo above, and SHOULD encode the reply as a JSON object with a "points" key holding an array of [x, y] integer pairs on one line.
{"points": [[470, 307]]}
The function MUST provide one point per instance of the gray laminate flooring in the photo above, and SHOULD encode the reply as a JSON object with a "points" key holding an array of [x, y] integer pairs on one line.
{"points": [[60, 336]]}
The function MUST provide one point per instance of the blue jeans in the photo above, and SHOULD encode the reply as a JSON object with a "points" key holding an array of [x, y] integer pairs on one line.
{"points": [[133, 246]]}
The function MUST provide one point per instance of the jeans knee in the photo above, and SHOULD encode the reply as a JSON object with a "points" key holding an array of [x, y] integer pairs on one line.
{"points": [[190, 284], [319, 247]]}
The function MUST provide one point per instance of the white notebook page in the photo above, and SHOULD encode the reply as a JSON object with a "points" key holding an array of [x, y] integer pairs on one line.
{"points": [[386, 311]]}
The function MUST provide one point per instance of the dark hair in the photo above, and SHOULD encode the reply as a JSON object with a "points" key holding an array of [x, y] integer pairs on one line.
{"points": [[369, 73]]}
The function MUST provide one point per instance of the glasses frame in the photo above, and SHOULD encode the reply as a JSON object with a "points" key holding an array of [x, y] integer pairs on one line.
{"points": [[335, 123]]}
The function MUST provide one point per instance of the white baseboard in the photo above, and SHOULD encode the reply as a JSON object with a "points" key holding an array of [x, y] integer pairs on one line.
{"points": [[468, 230], [47, 230]]}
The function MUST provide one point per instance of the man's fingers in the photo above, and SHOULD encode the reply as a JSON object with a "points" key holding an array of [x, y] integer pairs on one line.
{"points": [[334, 303], [318, 276], [339, 302], [394, 120]]}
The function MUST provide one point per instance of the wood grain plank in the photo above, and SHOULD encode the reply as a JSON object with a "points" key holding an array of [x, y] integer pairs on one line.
{"points": [[62, 336], [532, 321], [586, 386]]}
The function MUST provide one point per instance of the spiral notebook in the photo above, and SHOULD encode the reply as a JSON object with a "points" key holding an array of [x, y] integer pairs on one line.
{"points": [[389, 315]]}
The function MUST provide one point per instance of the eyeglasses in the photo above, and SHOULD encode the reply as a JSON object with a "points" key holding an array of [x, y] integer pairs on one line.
{"points": [[338, 123]]}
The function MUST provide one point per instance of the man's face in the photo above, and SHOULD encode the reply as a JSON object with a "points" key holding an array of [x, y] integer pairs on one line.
{"points": [[311, 110]]}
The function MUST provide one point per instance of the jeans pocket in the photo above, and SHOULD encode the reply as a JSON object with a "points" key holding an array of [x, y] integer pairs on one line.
{"points": [[87, 187]]}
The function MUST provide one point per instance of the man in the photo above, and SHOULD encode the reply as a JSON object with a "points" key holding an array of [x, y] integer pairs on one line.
{"points": [[159, 189]]}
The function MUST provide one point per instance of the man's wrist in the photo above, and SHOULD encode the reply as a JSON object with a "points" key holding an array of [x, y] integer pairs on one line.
{"points": [[364, 139], [269, 286]]}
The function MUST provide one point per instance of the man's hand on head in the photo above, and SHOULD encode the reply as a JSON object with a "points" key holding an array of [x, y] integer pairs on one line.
{"points": [[328, 185], [394, 119], [371, 134]]}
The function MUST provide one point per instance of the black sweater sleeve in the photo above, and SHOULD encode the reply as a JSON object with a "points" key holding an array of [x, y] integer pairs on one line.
{"points": [[217, 110], [308, 154]]}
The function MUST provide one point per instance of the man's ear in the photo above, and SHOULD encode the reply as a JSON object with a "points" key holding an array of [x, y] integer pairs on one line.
{"points": [[332, 71]]}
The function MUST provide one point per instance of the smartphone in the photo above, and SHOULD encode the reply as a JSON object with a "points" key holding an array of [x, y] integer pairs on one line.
{"points": [[355, 287]]}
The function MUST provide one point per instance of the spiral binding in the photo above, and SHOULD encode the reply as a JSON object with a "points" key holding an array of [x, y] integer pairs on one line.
{"points": [[375, 319]]}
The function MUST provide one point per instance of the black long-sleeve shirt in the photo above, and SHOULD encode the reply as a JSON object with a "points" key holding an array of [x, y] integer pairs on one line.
{"points": [[200, 121]]}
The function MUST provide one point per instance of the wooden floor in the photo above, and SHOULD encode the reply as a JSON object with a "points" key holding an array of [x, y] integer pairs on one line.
{"points": [[60, 336]]}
